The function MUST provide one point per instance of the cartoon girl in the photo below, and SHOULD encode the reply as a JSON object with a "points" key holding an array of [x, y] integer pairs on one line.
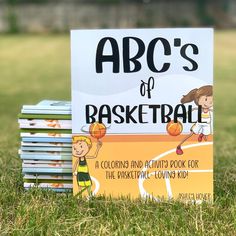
{"points": [[202, 97], [81, 147]]}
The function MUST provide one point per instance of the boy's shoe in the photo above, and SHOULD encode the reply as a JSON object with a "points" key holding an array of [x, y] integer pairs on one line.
{"points": [[179, 150], [200, 137]]}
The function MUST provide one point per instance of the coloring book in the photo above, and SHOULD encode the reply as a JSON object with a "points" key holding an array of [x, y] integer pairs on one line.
{"points": [[44, 124], [142, 113]]}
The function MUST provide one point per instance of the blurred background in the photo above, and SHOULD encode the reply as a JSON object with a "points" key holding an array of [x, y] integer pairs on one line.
{"points": [[57, 16]]}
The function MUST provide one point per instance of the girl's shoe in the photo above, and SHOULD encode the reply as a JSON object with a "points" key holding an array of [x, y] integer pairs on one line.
{"points": [[200, 137], [179, 150]]}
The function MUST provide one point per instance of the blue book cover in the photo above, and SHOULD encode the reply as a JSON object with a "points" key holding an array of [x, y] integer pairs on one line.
{"points": [[47, 139]]}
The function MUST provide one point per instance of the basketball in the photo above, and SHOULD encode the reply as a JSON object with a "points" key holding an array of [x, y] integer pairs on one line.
{"points": [[97, 130], [174, 129]]}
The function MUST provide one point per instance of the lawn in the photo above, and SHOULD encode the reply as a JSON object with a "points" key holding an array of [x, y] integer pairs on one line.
{"points": [[36, 67]]}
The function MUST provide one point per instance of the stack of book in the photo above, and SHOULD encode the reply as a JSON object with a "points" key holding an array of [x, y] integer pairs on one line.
{"points": [[45, 131]]}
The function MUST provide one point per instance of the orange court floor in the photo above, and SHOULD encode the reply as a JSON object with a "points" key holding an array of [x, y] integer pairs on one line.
{"points": [[123, 158]]}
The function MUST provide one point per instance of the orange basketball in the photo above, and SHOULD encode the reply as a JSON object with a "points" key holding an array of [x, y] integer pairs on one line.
{"points": [[97, 130], [174, 129]]}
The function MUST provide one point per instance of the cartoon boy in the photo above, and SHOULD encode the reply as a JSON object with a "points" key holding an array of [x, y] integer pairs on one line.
{"points": [[81, 147]]}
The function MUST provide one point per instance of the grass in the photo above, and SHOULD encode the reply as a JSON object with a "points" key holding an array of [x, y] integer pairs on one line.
{"points": [[36, 67]]}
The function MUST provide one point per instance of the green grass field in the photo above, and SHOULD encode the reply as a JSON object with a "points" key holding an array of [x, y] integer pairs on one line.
{"points": [[36, 67]]}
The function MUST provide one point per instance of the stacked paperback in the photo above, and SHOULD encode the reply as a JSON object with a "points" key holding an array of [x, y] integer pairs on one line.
{"points": [[45, 132]]}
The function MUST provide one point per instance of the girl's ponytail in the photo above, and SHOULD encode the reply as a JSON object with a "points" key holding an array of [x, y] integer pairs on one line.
{"points": [[195, 94], [191, 96]]}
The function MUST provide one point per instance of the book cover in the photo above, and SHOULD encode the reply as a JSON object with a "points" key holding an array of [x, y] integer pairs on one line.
{"points": [[48, 130], [46, 162], [142, 113], [42, 177], [47, 165], [57, 190], [48, 185], [50, 139], [47, 153], [38, 144], [45, 116], [44, 156], [44, 149], [46, 170], [44, 124], [44, 134], [49, 105], [45, 111]]}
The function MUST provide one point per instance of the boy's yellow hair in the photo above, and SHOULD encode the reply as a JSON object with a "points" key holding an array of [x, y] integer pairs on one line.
{"points": [[75, 139]]}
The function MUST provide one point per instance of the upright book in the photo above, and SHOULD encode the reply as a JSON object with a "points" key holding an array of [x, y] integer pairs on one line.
{"points": [[142, 113]]}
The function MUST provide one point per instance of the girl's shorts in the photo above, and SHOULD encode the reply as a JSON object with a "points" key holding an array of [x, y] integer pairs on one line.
{"points": [[201, 128]]}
